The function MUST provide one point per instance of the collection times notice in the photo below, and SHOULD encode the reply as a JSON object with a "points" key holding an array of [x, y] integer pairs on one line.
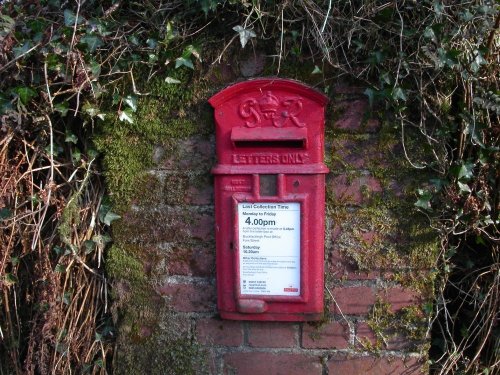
{"points": [[269, 241]]}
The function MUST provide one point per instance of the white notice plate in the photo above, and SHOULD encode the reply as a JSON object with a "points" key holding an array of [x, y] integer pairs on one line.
{"points": [[269, 240]]}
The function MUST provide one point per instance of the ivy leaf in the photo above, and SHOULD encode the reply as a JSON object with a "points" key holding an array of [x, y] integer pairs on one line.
{"points": [[109, 217], [316, 70], [465, 171], [18, 51], [424, 200], [60, 268], [89, 246], [464, 188], [245, 34], [371, 94], [62, 108], [182, 61], [126, 115], [92, 41], [70, 18], [398, 94], [131, 101], [172, 80], [25, 93], [5, 213], [70, 137]]}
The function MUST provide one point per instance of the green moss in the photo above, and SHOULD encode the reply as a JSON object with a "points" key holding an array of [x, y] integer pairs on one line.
{"points": [[162, 355], [70, 217], [407, 325], [168, 112]]}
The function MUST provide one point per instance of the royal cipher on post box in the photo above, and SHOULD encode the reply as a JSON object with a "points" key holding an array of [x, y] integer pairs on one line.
{"points": [[269, 200]]}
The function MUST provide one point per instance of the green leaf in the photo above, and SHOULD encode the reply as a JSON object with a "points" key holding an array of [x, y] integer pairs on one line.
{"points": [[95, 69], [89, 246], [316, 70], [430, 34], [398, 94], [172, 80], [245, 34], [424, 200], [371, 95], [90, 110], [62, 108], [110, 217], [152, 43], [464, 188], [5, 214], [10, 279], [465, 171], [70, 137], [25, 93], [58, 250], [18, 51], [131, 101], [70, 18], [181, 61], [438, 8], [60, 268], [92, 41], [126, 116]]}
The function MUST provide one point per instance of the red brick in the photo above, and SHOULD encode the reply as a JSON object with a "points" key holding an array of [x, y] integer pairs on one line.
{"points": [[356, 300], [399, 297], [352, 153], [375, 366], [272, 335], [189, 297], [187, 154], [347, 88], [199, 195], [212, 331], [258, 363], [354, 190], [353, 119], [365, 334], [198, 261], [333, 335]]}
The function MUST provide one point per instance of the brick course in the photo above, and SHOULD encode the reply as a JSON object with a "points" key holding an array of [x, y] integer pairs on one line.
{"points": [[272, 335], [256, 363]]}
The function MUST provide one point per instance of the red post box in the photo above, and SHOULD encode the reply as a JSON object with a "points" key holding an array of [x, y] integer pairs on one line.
{"points": [[270, 200]]}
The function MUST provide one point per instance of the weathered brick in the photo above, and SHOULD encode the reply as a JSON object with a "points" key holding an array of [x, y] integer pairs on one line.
{"points": [[351, 153], [341, 267], [392, 340], [191, 261], [364, 334], [354, 190], [213, 331], [355, 300], [375, 366], [258, 363], [186, 297], [399, 297], [187, 154], [353, 117], [180, 188], [272, 335], [332, 335], [165, 225]]}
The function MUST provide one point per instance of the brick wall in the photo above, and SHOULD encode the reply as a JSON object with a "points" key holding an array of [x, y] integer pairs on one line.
{"points": [[373, 318]]}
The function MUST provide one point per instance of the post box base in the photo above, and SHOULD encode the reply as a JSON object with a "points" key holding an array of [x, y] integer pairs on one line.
{"points": [[274, 317]]}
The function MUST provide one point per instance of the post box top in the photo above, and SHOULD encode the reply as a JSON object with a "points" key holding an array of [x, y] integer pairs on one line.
{"points": [[269, 125], [264, 84]]}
